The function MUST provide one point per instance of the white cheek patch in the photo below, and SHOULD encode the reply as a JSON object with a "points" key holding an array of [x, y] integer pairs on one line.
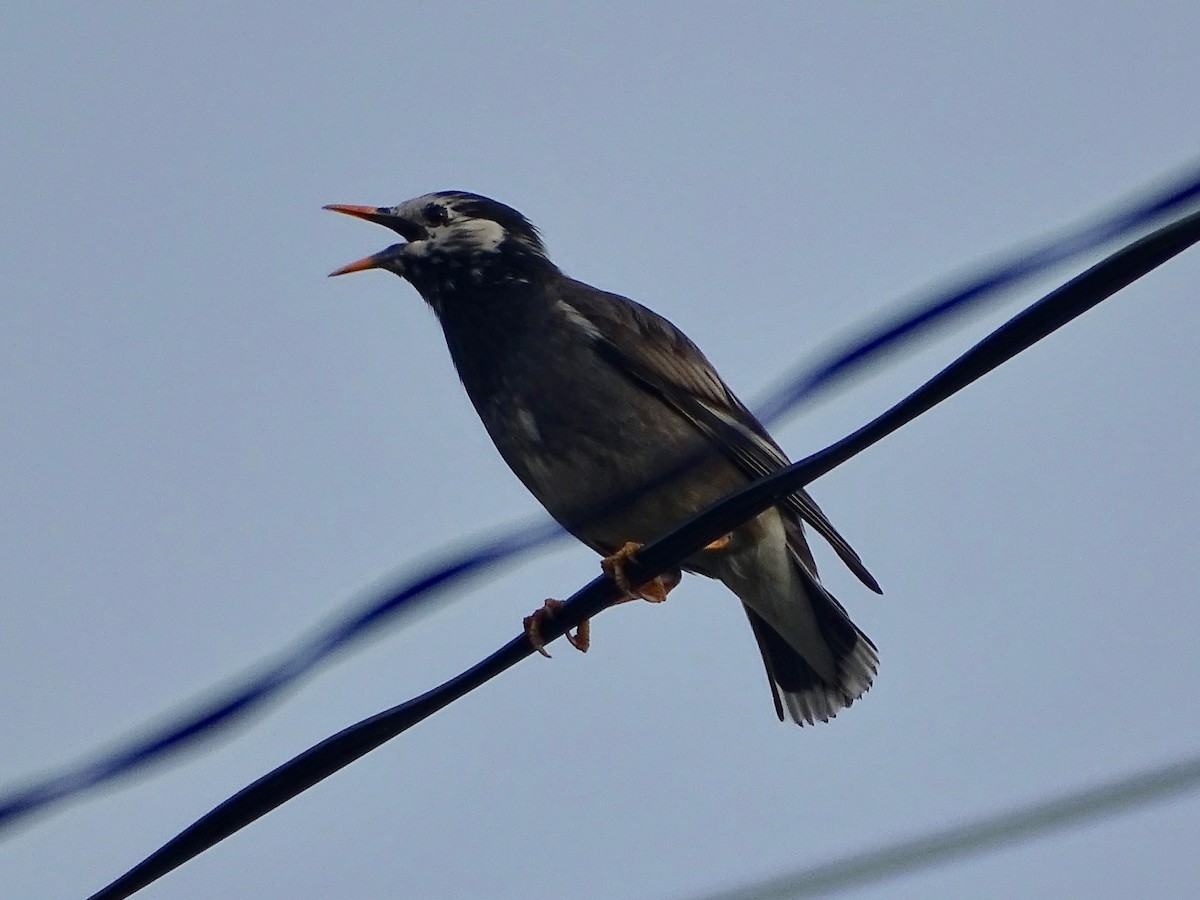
{"points": [[462, 234], [477, 235]]}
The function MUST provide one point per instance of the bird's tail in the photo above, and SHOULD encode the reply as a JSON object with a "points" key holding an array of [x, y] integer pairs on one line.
{"points": [[801, 692], [817, 660]]}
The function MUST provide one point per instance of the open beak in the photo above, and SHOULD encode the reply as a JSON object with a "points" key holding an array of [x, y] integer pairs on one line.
{"points": [[392, 258]]}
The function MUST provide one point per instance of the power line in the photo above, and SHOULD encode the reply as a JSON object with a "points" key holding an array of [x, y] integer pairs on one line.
{"points": [[981, 835]]}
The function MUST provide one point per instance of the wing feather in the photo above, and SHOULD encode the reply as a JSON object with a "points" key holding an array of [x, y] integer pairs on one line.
{"points": [[661, 358]]}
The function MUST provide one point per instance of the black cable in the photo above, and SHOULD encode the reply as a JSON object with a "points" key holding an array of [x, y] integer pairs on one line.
{"points": [[292, 778]]}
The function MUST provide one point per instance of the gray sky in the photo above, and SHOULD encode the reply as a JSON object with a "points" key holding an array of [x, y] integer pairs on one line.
{"points": [[209, 447]]}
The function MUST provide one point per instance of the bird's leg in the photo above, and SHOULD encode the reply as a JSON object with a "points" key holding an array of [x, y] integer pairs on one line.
{"points": [[653, 591], [581, 640]]}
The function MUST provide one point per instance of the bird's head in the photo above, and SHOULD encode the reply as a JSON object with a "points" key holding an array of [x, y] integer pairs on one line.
{"points": [[452, 238]]}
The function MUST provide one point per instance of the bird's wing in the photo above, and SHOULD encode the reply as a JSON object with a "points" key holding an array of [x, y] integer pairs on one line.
{"points": [[662, 359]]}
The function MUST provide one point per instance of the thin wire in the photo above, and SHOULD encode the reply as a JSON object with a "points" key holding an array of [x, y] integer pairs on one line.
{"points": [[980, 835], [267, 682], [302, 772], [406, 599], [972, 291]]}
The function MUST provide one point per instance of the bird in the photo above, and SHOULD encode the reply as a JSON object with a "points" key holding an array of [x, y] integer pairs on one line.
{"points": [[591, 397]]}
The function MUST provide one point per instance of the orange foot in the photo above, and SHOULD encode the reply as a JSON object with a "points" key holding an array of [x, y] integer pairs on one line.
{"points": [[581, 640], [653, 591]]}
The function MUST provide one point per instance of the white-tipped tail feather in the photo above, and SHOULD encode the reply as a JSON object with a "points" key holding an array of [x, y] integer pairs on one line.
{"points": [[800, 693], [817, 660]]}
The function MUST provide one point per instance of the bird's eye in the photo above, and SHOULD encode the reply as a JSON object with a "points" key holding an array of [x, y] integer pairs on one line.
{"points": [[436, 214]]}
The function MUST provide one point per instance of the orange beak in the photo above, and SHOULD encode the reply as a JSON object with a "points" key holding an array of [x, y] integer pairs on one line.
{"points": [[391, 258], [367, 262], [370, 213], [381, 215]]}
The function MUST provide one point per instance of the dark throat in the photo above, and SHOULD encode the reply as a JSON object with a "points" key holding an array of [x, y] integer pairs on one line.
{"points": [[490, 327]]}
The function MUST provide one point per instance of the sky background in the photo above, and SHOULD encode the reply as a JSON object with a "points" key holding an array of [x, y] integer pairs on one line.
{"points": [[208, 447]]}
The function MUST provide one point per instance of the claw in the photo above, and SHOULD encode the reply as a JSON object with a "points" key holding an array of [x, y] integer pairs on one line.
{"points": [[581, 640], [720, 543], [653, 591]]}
